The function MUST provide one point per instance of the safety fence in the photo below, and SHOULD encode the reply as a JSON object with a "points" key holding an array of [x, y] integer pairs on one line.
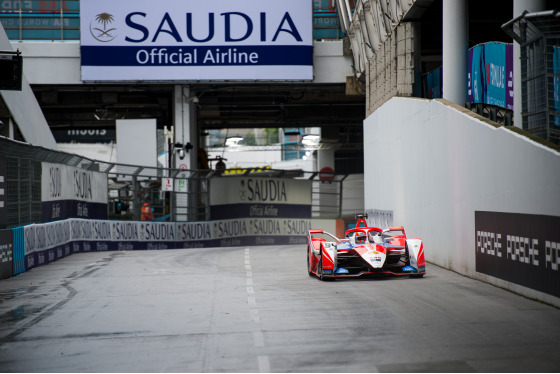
{"points": [[538, 35], [32, 178], [53, 204]]}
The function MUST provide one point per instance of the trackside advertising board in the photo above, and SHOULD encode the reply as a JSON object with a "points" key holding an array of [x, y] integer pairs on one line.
{"points": [[43, 243], [279, 210], [193, 40], [259, 197], [70, 192], [519, 248], [6, 253]]}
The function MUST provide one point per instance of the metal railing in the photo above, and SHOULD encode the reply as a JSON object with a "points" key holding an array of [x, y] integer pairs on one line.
{"points": [[538, 35], [130, 185]]}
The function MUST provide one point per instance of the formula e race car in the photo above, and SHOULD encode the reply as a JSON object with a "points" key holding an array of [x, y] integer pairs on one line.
{"points": [[364, 250]]}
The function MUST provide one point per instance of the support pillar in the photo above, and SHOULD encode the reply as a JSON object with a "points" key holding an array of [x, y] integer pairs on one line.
{"points": [[455, 50], [185, 126], [184, 157]]}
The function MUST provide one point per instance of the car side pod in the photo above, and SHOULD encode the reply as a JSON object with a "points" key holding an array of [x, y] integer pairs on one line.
{"points": [[328, 258]]}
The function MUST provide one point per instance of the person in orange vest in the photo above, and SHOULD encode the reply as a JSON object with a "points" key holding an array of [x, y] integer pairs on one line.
{"points": [[146, 212]]}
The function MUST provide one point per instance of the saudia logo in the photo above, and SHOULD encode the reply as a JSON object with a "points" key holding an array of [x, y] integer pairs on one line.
{"points": [[100, 27], [237, 27], [263, 190], [167, 26]]}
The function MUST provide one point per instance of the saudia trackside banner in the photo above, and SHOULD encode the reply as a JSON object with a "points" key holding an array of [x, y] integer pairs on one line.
{"points": [[48, 242], [196, 40], [70, 192], [259, 197]]}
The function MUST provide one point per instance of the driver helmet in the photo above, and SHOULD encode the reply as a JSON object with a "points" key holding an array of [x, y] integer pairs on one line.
{"points": [[361, 237]]}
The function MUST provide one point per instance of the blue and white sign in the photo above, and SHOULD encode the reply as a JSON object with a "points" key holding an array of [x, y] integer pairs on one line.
{"points": [[259, 198], [193, 40], [71, 192]]}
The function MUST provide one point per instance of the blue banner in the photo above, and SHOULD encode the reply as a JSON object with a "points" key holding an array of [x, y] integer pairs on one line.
{"points": [[476, 75], [434, 84], [231, 211], [19, 250], [495, 64], [490, 74], [197, 56]]}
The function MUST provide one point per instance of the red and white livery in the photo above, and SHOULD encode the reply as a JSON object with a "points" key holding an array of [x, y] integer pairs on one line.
{"points": [[364, 250]]}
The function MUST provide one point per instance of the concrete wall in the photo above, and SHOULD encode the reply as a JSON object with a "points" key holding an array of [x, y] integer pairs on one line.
{"points": [[24, 109], [391, 70], [51, 62], [434, 164]]}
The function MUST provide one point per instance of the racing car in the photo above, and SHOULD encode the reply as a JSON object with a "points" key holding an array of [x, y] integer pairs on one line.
{"points": [[364, 250]]}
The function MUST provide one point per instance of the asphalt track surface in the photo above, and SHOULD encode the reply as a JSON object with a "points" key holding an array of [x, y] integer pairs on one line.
{"points": [[256, 310]]}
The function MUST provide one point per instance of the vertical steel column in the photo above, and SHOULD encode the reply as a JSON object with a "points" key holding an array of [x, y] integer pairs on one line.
{"points": [[136, 198], [455, 50]]}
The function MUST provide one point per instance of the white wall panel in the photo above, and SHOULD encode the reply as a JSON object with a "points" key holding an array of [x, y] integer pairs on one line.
{"points": [[434, 164], [137, 142]]}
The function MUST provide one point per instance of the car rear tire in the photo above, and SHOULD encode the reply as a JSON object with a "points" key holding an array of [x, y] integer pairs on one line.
{"points": [[406, 254], [308, 264]]}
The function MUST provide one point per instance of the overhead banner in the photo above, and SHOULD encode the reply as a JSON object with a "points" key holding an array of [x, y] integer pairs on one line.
{"points": [[193, 40]]}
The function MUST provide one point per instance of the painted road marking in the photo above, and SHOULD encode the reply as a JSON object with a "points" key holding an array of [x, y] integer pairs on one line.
{"points": [[258, 336]]}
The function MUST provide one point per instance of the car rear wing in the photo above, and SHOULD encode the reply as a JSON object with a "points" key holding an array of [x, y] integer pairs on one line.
{"points": [[400, 228], [315, 231]]}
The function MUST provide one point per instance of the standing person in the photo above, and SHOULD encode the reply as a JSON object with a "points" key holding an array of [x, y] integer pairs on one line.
{"points": [[146, 212]]}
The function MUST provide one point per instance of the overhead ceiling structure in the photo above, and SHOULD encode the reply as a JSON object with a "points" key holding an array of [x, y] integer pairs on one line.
{"points": [[223, 105], [98, 106], [220, 106], [279, 105]]}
